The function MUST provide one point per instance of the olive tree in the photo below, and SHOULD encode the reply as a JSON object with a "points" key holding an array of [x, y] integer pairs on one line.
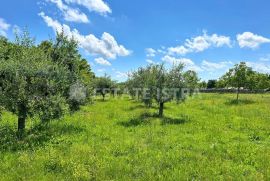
{"points": [[32, 84], [162, 85], [103, 85]]}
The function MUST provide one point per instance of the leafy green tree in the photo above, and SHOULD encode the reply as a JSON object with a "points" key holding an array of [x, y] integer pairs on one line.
{"points": [[162, 85], [103, 85], [239, 77], [203, 84], [211, 84], [31, 84], [64, 51]]}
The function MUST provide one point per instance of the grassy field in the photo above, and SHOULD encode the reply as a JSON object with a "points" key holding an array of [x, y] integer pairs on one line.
{"points": [[208, 137]]}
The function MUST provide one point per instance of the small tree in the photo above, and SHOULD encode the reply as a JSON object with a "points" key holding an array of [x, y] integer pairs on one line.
{"points": [[238, 77], [162, 85], [103, 85]]}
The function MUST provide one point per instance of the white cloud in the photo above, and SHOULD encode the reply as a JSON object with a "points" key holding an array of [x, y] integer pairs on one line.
{"points": [[16, 29], [200, 43], [150, 52], [106, 46], [188, 63], [179, 50], [102, 61], [4, 26], [173, 60], [212, 66], [150, 61], [265, 58], [101, 70], [259, 67], [93, 5], [121, 75], [250, 40], [70, 14]]}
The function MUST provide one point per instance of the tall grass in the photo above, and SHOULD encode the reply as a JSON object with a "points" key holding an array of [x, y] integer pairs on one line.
{"points": [[209, 137]]}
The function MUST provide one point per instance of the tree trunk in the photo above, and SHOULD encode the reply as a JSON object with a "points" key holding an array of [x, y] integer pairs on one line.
{"points": [[21, 124], [161, 107], [237, 97], [21, 117]]}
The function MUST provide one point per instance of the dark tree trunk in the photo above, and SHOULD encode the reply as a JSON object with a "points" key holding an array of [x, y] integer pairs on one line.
{"points": [[161, 108], [237, 97], [22, 114]]}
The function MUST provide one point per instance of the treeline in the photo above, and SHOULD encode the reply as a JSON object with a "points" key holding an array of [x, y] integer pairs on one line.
{"points": [[240, 76], [51, 79], [46, 80]]}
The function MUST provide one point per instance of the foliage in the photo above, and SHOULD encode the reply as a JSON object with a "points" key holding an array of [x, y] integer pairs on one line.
{"points": [[103, 85], [46, 80], [161, 85], [211, 84]]}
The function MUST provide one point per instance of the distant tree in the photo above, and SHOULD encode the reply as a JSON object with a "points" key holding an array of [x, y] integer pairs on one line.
{"points": [[203, 84], [238, 77], [31, 84], [258, 81], [211, 84], [191, 79], [103, 85]]}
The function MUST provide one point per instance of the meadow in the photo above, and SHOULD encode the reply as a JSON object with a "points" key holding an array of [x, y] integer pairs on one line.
{"points": [[207, 137]]}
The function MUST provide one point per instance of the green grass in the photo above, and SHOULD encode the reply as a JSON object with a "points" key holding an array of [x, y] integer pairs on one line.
{"points": [[209, 137]]}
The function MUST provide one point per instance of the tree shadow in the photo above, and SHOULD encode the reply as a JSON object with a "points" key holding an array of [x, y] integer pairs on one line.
{"points": [[143, 119], [140, 106], [168, 120], [39, 136], [239, 102], [146, 118]]}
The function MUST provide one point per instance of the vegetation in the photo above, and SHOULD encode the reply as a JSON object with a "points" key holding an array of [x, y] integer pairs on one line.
{"points": [[158, 84], [103, 85], [208, 137], [39, 80]]}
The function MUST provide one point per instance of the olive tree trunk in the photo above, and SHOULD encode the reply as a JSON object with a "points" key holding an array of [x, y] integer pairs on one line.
{"points": [[22, 114], [161, 108]]}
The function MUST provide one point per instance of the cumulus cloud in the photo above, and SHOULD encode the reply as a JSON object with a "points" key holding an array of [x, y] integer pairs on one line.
{"points": [[106, 46], [150, 52], [188, 63], [121, 75], [173, 60], [150, 61], [4, 26], [212, 66], [265, 58], [179, 50], [98, 6], [250, 40], [102, 61], [200, 43], [259, 67], [70, 14]]}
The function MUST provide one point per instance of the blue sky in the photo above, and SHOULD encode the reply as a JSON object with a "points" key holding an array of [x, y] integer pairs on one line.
{"points": [[117, 36]]}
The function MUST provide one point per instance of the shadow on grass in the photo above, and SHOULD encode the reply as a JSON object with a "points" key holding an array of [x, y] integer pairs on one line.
{"points": [[39, 136], [145, 119], [140, 106], [181, 120], [239, 102]]}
